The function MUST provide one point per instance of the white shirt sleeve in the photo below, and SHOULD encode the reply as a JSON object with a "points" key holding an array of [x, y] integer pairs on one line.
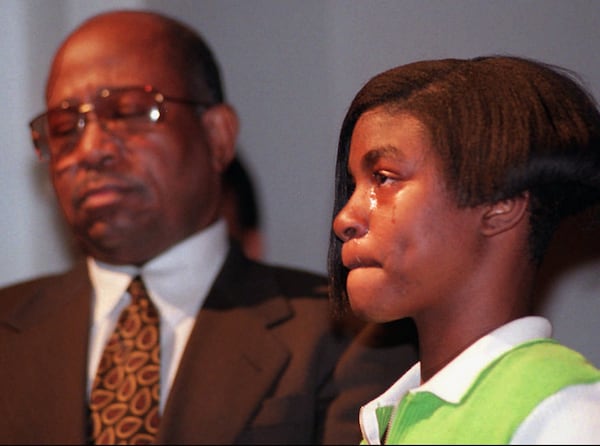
{"points": [[571, 416]]}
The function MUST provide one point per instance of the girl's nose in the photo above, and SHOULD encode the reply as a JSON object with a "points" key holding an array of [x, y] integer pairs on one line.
{"points": [[351, 221]]}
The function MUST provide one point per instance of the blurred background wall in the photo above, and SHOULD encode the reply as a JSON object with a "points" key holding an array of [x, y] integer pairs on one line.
{"points": [[291, 68]]}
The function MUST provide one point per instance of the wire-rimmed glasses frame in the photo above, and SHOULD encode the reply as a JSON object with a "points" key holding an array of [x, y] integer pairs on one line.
{"points": [[119, 110]]}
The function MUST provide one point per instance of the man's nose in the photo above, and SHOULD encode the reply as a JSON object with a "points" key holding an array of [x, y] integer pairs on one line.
{"points": [[96, 144]]}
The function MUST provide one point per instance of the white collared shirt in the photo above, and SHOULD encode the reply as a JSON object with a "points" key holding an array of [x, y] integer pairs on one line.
{"points": [[557, 420], [177, 281]]}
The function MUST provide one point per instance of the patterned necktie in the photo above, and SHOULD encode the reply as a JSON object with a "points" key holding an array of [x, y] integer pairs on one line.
{"points": [[125, 392]]}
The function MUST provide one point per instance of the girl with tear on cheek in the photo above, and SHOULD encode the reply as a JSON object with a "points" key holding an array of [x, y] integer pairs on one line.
{"points": [[451, 178]]}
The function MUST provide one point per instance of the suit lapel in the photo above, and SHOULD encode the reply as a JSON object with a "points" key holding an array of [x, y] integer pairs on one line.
{"points": [[60, 306], [231, 359]]}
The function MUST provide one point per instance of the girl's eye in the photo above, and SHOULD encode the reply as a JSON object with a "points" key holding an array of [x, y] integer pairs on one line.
{"points": [[381, 177]]}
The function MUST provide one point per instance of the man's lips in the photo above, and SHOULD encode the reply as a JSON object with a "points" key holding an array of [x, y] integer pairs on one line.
{"points": [[100, 194]]}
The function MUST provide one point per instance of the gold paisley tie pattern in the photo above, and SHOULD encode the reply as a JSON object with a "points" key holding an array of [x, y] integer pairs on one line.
{"points": [[125, 393]]}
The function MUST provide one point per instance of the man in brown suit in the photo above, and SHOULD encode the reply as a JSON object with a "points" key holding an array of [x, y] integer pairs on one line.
{"points": [[136, 136]]}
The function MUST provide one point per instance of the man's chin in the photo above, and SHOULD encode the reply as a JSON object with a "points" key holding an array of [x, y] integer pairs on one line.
{"points": [[106, 243]]}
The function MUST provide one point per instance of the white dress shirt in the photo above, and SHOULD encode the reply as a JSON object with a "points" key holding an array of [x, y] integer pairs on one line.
{"points": [[177, 281], [570, 416]]}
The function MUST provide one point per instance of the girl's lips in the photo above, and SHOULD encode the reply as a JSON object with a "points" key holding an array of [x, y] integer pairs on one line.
{"points": [[352, 260], [361, 264]]}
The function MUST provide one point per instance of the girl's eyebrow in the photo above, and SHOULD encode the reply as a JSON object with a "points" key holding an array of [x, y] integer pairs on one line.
{"points": [[372, 156]]}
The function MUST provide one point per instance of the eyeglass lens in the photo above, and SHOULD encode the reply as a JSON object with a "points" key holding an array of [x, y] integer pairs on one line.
{"points": [[119, 111]]}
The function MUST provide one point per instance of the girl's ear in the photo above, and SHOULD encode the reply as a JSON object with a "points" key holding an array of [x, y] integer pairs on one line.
{"points": [[504, 215]]}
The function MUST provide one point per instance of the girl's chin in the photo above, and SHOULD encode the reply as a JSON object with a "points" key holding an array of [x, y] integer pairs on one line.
{"points": [[367, 310]]}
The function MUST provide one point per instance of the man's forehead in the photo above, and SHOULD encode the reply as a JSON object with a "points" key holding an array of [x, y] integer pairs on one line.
{"points": [[83, 66], [129, 23], [119, 39]]}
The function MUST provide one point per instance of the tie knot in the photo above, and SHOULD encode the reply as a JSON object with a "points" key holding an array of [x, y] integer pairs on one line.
{"points": [[137, 290]]}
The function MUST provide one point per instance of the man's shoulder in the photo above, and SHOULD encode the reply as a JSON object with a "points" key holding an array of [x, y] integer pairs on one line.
{"points": [[243, 275], [57, 278], [292, 281], [27, 286], [38, 287]]}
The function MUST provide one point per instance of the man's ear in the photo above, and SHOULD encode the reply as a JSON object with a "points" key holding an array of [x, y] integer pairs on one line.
{"points": [[504, 215], [221, 125]]}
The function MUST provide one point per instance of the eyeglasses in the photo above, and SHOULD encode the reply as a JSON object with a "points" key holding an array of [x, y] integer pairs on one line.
{"points": [[120, 111]]}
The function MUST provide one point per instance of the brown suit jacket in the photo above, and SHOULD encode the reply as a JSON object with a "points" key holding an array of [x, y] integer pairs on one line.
{"points": [[265, 363]]}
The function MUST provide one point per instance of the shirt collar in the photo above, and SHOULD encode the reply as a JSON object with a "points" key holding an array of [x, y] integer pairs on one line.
{"points": [[178, 280], [456, 377]]}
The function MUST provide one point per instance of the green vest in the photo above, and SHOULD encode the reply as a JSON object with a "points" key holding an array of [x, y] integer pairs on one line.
{"points": [[501, 397]]}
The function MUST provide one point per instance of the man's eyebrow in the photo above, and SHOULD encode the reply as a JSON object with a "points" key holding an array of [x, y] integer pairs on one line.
{"points": [[374, 155]]}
